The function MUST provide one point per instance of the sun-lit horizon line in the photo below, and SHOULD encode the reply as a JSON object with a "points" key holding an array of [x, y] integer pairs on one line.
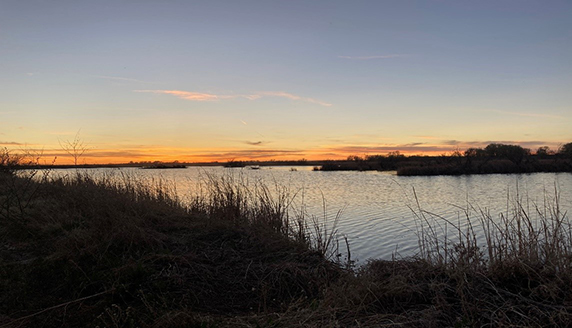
{"points": [[115, 156], [118, 154]]}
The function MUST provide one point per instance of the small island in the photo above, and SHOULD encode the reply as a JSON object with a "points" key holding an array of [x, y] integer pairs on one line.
{"points": [[494, 158], [165, 166]]}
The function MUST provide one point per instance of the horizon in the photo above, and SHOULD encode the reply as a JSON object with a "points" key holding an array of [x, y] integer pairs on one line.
{"points": [[63, 157], [272, 80]]}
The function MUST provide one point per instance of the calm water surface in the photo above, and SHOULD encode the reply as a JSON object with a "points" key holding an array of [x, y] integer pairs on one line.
{"points": [[378, 208]]}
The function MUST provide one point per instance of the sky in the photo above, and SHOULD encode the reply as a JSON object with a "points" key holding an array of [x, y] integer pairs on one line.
{"points": [[257, 80]]}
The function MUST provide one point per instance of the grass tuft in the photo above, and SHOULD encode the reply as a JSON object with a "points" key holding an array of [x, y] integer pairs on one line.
{"points": [[116, 251]]}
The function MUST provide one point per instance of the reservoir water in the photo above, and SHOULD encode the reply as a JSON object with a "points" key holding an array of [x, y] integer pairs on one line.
{"points": [[379, 212]]}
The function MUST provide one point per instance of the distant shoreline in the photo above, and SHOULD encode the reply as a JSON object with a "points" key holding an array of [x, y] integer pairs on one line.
{"points": [[405, 166]]}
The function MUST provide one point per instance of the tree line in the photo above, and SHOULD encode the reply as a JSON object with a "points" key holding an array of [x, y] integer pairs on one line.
{"points": [[516, 153]]}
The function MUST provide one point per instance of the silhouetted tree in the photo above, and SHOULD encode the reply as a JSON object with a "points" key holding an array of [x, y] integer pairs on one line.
{"points": [[395, 154], [475, 152], [566, 150], [8, 160], [543, 152], [75, 148], [375, 158], [354, 158], [514, 153]]}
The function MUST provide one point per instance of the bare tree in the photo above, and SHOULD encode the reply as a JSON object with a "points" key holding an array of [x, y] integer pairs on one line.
{"points": [[75, 148]]}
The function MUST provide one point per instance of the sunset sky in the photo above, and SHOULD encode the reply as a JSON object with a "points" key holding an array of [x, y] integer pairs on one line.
{"points": [[222, 80]]}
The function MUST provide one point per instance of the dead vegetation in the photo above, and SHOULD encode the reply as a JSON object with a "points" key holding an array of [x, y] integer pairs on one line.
{"points": [[114, 252]]}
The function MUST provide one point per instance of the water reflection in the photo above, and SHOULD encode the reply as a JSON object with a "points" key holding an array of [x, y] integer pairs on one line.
{"points": [[378, 208]]}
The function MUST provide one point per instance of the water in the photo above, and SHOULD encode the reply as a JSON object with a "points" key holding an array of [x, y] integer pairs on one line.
{"points": [[378, 209]]}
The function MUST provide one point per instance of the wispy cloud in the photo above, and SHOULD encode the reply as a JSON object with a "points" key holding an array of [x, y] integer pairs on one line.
{"points": [[249, 97], [123, 155], [194, 96], [199, 96], [526, 114], [254, 143], [295, 97], [375, 57], [10, 143], [255, 154], [532, 144], [405, 148], [451, 142]]}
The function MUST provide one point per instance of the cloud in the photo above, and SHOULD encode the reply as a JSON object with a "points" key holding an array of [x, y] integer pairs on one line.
{"points": [[407, 148], [451, 142], [255, 154], [120, 153], [10, 143], [249, 97], [253, 143], [294, 97], [194, 96], [532, 144], [375, 57], [103, 153], [198, 96]]}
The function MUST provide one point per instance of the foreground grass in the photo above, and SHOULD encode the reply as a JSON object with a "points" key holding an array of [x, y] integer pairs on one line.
{"points": [[79, 251]]}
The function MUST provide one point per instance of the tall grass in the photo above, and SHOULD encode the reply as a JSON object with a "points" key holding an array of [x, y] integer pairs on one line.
{"points": [[92, 249], [510, 269], [535, 234], [260, 204], [118, 251]]}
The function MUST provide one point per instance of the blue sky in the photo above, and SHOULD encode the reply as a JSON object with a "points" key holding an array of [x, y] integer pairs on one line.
{"points": [[217, 80]]}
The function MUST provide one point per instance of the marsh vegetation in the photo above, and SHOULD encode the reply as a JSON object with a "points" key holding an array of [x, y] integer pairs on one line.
{"points": [[494, 158], [78, 250]]}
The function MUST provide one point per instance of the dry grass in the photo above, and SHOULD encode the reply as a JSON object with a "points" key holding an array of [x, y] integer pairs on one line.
{"points": [[119, 252], [85, 250]]}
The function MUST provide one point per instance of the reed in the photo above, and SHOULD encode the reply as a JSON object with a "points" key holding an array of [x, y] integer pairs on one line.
{"points": [[90, 250], [118, 251], [513, 269]]}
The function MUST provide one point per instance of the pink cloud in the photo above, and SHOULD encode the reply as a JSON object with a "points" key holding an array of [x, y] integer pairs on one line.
{"points": [[194, 96], [198, 96]]}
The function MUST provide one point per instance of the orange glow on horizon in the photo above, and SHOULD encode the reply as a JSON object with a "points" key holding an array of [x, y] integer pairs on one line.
{"points": [[167, 155], [118, 155]]}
